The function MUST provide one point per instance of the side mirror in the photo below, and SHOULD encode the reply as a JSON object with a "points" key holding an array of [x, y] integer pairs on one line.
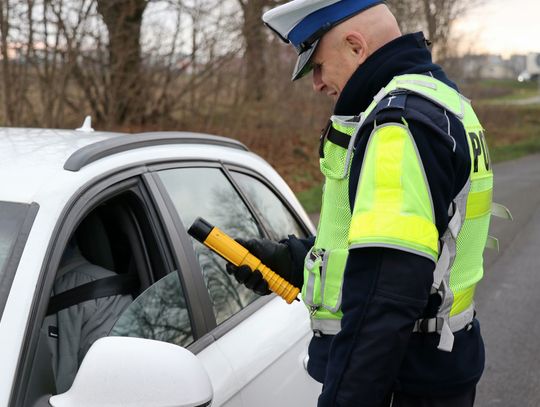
{"points": [[122, 371]]}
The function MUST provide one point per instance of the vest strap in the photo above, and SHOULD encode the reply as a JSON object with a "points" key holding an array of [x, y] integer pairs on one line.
{"points": [[492, 243], [501, 211], [337, 137], [456, 322], [441, 277], [326, 326], [446, 343], [313, 260]]}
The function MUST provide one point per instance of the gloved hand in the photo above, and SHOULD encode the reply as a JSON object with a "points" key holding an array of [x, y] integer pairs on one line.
{"points": [[275, 255]]}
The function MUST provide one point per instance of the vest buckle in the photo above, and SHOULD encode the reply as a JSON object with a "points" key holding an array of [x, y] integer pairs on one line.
{"points": [[324, 134]]}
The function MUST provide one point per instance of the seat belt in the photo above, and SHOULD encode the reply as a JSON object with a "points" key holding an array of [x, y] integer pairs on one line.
{"points": [[120, 284]]}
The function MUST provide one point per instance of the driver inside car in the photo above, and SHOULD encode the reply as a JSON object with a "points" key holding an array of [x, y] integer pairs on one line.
{"points": [[72, 330]]}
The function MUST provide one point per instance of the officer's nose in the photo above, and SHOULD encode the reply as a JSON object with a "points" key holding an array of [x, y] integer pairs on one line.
{"points": [[318, 84]]}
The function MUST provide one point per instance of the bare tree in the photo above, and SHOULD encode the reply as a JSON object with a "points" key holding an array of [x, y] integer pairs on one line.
{"points": [[125, 90], [6, 66], [409, 14], [435, 17], [13, 54], [255, 42]]}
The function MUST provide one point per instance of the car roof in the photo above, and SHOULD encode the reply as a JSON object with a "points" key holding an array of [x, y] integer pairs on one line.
{"points": [[31, 158]]}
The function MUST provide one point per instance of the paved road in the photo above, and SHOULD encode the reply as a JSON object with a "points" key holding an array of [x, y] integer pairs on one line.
{"points": [[534, 100], [508, 299]]}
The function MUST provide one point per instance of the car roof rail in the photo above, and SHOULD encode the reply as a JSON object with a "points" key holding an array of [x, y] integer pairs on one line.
{"points": [[96, 151]]}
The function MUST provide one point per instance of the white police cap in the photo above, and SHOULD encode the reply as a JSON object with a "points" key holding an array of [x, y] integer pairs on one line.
{"points": [[303, 22]]}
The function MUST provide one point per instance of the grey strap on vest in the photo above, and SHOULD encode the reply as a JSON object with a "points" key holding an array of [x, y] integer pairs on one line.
{"points": [[311, 259], [492, 243], [501, 211], [456, 322], [441, 275], [326, 326]]}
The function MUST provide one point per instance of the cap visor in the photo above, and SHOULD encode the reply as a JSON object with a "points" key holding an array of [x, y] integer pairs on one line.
{"points": [[303, 64]]}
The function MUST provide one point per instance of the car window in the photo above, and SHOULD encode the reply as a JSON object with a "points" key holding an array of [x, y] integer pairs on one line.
{"points": [[206, 192], [12, 217], [11, 220], [278, 217], [159, 313]]}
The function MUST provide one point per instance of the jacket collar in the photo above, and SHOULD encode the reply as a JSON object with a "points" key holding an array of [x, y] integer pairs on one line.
{"points": [[404, 55]]}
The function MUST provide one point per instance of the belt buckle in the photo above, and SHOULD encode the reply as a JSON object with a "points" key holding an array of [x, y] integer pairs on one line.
{"points": [[423, 326]]}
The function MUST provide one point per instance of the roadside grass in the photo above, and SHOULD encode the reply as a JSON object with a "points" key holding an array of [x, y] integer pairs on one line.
{"points": [[513, 151], [493, 91], [512, 131]]}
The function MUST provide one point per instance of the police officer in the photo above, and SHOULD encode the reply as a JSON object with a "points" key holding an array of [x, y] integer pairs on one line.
{"points": [[389, 279]]}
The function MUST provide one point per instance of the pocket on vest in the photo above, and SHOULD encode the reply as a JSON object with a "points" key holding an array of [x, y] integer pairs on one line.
{"points": [[332, 271], [311, 290]]}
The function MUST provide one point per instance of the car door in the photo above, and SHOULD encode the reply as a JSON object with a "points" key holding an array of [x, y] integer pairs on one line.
{"points": [[115, 229], [264, 339]]}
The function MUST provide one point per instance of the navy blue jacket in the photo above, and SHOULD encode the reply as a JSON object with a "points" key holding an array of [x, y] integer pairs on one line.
{"points": [[385, 291]]}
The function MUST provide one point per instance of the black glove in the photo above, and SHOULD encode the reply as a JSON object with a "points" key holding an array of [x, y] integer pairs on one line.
{"points": [[275, 255]]}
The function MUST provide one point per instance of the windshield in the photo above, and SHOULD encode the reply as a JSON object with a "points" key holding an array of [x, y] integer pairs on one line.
{"points": [[12, 217]]}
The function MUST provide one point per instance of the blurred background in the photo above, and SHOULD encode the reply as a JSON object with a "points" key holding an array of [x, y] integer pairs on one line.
{"points": [[211, 66]]}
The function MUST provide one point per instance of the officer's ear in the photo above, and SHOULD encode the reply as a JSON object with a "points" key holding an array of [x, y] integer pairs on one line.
{"points": [[356, 44]]}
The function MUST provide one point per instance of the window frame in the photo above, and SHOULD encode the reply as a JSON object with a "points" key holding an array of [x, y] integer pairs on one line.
{"points": [[101, 189]]}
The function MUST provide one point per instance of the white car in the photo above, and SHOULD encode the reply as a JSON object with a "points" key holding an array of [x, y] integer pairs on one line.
{"points": [[126, 201]]}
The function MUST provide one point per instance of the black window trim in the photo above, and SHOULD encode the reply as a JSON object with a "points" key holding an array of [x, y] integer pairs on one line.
{"points": [[14, 257]]}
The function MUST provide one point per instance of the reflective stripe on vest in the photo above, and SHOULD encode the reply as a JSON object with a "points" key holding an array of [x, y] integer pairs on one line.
{"points": [[393, 206]]}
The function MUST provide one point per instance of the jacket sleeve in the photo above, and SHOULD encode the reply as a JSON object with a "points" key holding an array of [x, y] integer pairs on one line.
{"points": [[393, 249], [298, 249]]}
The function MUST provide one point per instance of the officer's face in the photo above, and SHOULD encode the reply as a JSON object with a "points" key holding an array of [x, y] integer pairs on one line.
{"points": [[334, 62]]}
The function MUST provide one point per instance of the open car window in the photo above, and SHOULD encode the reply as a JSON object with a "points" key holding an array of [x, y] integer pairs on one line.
{"points": [[114, 251], [159, 313]]}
